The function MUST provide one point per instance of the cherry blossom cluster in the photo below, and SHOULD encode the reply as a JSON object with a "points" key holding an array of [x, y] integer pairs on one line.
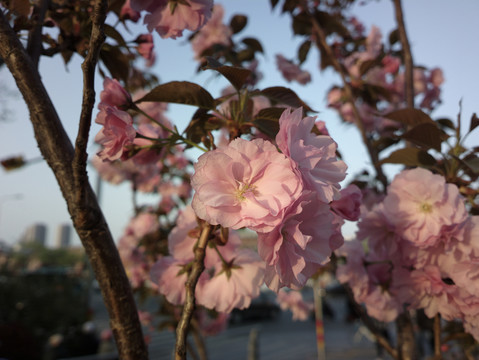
{"points": [[137, 141], [170, 18], [377, 73], [422, 252], [282, 195], [232, 275]]}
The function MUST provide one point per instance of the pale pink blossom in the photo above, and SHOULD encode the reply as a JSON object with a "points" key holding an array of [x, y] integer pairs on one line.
{"points": [[291, 71], [314, 155], [145, 46], [374, 42], [348, 205], [436, 77], [293, 301], [422, 206], [299, 246], [170, 20], [391, 64], [127, 13], [212, 323], [234, 284], [109, 171], [246, 184], [430, 292], [113, 94], [117, 132], [214, 32]]}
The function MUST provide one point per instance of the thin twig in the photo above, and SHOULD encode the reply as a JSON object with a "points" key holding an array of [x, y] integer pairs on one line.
{"points": [[88, 66], [322, 44], [406, 343], [370, 325], [188, 309], [406, 48], [437, 337], [34, 44], [199, 340]]}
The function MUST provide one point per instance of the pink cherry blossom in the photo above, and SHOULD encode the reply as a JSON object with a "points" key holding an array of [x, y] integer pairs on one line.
{"points": [[113, 94], [246, 184], [170, 20], [145, 46], [293, 301], [127, 13], [422, 206], [116, 134], [299, 246], [291, 71], [233, 286], [348, 205], [315, 156], [214, 32]]}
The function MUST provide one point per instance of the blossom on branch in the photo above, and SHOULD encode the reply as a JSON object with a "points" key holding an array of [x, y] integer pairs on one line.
{"points": [[291, 71], [245, 184], [315, 155], [116, 134], [170, 18]]}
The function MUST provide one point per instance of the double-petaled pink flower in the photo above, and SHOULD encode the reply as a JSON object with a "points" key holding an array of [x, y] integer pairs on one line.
{"points": [[314, 155], [117, 132], [246, 184]]}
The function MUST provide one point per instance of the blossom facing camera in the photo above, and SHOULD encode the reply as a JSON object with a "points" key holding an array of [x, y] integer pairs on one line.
{"points": [[113, 94], [245, 184]]}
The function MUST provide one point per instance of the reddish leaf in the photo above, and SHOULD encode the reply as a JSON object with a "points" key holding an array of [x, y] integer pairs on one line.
{"points": [[180, 92], [253, 44], [474, 122], [303, 51], [410, 157], [409, 116], [236, 76], [237, 23], [426, 135], [13, 163], [20, 7], [267, 121], [283, 95]]}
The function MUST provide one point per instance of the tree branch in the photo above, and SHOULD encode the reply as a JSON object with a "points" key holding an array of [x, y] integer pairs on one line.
{"points": [[88, 66], [88, 220], [34, 45], [188, 309], [437, 337], [406, 48], [406, 343], [323, 45], [370, 324]]}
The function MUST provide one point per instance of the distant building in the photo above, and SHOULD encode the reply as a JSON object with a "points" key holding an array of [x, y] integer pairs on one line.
{"points": [[35, 233], [64, 233]]}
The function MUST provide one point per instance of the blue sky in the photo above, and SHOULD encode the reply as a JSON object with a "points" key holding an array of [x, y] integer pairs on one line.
{"points": [[442, 33]]}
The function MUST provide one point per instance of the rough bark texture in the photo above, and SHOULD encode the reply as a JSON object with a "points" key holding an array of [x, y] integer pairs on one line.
{"points": [[87, 217]]}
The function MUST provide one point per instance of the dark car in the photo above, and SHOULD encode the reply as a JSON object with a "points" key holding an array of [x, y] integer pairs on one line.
{"points": [[262, 307]]}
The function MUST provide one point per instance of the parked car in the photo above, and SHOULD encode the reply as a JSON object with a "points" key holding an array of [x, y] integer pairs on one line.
{"points": [[262, 307]]}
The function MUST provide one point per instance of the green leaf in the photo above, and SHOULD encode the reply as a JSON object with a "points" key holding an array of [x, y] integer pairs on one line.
{"points": [[410, 157], [267, 121], [237, 23], [426, 135], [474, 122], [303, 51], [286, 96], [180, 92], [236, 76], [409, 117]]}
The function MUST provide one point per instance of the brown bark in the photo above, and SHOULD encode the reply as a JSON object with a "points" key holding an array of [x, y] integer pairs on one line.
{"points": [[86, 215]]}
